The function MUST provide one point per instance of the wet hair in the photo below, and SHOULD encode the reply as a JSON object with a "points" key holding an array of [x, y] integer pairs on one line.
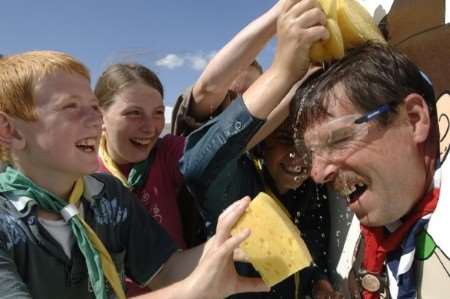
{"points": [[119, 76], [370, 75]]}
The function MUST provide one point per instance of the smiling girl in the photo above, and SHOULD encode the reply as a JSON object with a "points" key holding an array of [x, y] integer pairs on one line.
{"points": [[131, 149]]}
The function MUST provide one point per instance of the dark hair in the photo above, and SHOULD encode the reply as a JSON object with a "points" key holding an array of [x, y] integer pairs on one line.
{"points": [[370, 75], [118, 76]]}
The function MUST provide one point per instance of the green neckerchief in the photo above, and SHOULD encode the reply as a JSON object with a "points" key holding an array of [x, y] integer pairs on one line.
{"points": [[13, 181], [139, 171], [138, 174]]}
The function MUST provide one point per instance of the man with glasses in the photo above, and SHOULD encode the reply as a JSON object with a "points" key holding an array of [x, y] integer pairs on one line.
{"points": [[370, 124]]}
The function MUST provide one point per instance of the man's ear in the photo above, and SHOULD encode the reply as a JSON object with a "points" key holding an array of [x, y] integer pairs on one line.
{"points": [[418, 116], [10, 137]]}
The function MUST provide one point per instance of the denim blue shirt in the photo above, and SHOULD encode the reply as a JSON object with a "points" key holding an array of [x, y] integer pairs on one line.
{"points": [[218, 172]]}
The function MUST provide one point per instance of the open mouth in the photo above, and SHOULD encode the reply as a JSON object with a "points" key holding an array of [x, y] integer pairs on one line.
{"points": [[141, 142], [353, 192], [294, 170], [87, 145]]}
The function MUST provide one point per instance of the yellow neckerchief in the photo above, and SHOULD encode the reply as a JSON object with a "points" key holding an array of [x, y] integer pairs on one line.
{"points": [[109, 269], [109, 163], [259, 167]]}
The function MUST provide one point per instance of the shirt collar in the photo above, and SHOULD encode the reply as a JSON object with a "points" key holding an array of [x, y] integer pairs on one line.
{"points": [[24, 204]]}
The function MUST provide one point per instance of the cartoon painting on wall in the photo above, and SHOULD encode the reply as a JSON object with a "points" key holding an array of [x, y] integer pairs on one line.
{"points": [[421, 30]]}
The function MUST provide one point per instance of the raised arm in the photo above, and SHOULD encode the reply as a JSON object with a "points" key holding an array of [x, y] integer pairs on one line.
{"points": [[300, 24], [279, 113], [211, 147], [210, 89]]}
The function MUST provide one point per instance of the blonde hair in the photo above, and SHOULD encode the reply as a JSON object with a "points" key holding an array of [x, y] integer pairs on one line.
{"points": [[18, 77]]}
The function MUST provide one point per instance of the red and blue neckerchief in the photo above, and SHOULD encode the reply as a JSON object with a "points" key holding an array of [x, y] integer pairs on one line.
{"points": [[397, 248]]}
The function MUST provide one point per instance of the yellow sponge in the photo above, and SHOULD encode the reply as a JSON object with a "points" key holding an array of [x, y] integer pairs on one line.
{"points": [[274, 246], [331, 49], [349, 25], [329, 7], [356, 24]]}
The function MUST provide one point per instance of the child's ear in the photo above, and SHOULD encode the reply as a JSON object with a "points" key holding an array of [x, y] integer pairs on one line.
{"points": [[9, 136]]}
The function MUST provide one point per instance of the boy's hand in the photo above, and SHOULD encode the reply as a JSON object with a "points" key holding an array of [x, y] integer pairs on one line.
{"points": [[215, 275], [300, 24]]}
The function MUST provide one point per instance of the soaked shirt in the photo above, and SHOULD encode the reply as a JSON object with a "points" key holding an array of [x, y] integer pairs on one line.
{"points": [[34, 265], [218, 172]]}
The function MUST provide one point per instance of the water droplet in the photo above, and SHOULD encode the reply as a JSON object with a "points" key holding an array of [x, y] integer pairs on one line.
{"points": [[347, 199]]}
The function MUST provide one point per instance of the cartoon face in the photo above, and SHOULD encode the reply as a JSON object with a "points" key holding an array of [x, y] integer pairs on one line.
{"points": [[443, 108], [420, 29]]}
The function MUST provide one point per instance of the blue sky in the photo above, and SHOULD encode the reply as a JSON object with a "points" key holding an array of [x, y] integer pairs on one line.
{"points": [[174, 38]]}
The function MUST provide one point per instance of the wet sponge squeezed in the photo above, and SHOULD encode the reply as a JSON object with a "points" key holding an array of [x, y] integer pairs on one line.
{"points": [[274, 246], [349, 25]]}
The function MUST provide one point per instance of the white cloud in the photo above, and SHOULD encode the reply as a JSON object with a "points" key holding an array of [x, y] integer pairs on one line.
{"points": [[199, 61], [196, 61], [171, 61]]}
